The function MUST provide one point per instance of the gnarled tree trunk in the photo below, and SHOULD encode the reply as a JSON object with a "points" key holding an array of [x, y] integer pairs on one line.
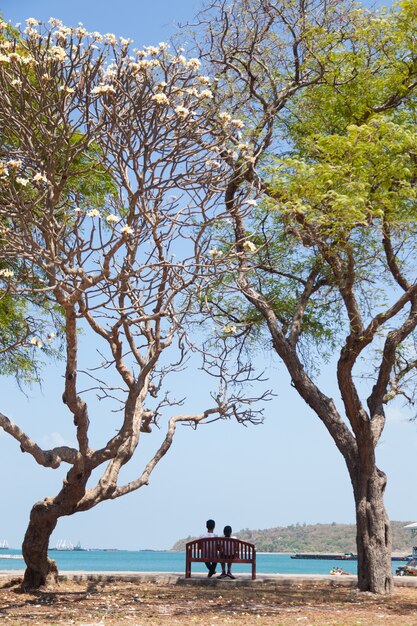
{"points": [[373, 532], [41, 571]]}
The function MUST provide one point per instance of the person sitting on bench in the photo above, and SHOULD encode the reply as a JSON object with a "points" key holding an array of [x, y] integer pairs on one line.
{"points": [[211, 565], [227, 531]]}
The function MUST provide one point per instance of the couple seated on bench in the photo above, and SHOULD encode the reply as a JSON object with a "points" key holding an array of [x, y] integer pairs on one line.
{"points": [[211, 565]]}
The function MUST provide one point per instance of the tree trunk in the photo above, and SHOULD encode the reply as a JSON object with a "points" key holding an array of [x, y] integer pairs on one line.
{"points": [[40, 570], [373, 532]]}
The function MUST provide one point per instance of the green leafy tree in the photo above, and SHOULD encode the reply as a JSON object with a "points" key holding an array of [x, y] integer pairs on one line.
{"points": [[316, 260]]}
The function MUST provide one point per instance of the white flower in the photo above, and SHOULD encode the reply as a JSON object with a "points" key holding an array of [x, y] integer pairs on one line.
{"points": [[193, 64], [51, 336], [55, 22], [93, 213], [110, 38], [97, 36], [152, 50], [14, 163], [16, 82], [206, 93], [3, 170], [214, 252], [237, 123], [179, 59], [4, 58], [67, 89], [126, 230], [22, 181], [225, 117], [36, 342], [140, 65], [229, 330], [31, 32], [112, 219], [243, 146], [106, 89], [160, 98], [13, 56], [28, 60], [182, 111], [31, 21], [40, 178], [251, 202], [125, 42], [81, 32], [214, 164], [249, 246], [203, 80], [6, 273], [63, 33], [58, 53], [77, 209]]}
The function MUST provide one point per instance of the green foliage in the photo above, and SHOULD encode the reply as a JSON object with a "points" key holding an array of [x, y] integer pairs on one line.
{"points": [[352, 180], [22, 352]]}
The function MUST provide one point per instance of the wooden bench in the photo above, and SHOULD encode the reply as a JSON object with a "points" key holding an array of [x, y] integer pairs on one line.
{"points": [[218, 550]]}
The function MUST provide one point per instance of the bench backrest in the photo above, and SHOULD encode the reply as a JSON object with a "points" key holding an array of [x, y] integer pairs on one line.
{"points": [[211, 548]]}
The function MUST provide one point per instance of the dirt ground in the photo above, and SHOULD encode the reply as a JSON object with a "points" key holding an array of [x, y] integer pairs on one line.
{"points": [[139, 603]]}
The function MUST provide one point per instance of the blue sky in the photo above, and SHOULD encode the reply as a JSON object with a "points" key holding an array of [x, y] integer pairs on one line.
{"points": [[283, 472]]}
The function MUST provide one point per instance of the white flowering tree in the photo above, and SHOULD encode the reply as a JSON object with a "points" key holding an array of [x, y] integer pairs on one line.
{"points": [[317, 257], [109, 185]]}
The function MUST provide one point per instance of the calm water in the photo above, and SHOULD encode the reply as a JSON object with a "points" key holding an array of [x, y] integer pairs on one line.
{"points": [[150, 561]]}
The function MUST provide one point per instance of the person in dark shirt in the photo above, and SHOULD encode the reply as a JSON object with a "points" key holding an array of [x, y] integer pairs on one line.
{"points": [[211, 565]]}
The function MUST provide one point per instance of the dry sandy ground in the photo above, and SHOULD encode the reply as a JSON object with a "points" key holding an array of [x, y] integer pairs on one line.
{"points": [[208, 603]]}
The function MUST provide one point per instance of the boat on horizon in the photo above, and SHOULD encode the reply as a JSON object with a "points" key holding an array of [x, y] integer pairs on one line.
{"points": [[346, 556], [4, 545], [64, 544]]}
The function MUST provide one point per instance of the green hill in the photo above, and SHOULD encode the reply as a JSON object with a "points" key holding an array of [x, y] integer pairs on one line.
{"points": [[313, 538]]}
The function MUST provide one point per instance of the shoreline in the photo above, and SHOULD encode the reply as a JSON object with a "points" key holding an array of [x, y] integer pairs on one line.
{"points": [[175, 578]]}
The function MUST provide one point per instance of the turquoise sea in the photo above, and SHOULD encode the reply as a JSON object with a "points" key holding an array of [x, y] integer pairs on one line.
{"points": [[165, 561]]}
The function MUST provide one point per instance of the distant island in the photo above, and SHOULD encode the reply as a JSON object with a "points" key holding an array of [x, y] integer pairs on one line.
{"points": [[312, 538]]}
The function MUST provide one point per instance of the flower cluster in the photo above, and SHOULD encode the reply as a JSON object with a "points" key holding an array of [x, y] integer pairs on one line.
{"points": [[57, 53], [6, 273], [182, 111], [94, 213], [126, 230], [15, 163], [215, 253], [249, 246], [40, 178], [103, 89], [15, 166], [160, 98], [35, 341]]}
